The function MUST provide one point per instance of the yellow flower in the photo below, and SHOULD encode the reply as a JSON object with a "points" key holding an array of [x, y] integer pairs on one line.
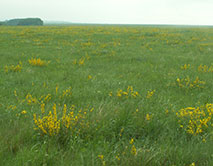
{"points": [[56, 89], [15, 93], [133, 150], [38, 62], [122, 130], [101, 157], [148, 117], [24, 112], [6, 69], [150, 94], [125, 93], [81, 61], [131, 141], [119, 94], [89, 77], [91, 110], [117, 157], [192, 164]]}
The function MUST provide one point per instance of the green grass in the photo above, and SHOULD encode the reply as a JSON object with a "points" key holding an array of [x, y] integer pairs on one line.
{"points": [[144, 57]]}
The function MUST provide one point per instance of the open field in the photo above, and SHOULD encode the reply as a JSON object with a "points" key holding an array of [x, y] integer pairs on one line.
{"points": [[106, 95]]}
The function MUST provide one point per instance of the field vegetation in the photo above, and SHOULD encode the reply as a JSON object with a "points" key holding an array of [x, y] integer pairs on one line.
{"points": [[106, 95]]}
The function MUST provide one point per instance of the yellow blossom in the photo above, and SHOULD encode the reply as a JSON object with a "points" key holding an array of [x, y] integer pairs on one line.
{"points": [[101, 157], [24, 112], [15, 93], [117, 157], [56, 89], [133, 150], [131, 141], [150, 94], [192, 164], [89, 77], [38, 62], [148, 117]]}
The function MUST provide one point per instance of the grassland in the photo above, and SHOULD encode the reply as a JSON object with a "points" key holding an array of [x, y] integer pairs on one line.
{"points": [[106, 95]]}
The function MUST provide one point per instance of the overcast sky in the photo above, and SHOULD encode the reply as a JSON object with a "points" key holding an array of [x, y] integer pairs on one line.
{"points": [[195, 12]]}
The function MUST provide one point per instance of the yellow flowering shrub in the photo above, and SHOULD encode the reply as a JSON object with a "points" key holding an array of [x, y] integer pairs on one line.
{"points": [[47, 98], [11, 107], [30, 99], [89, 77], [49, 124], [23, 112], [56, 89], [133, 150], [13, 68], [185, 66], [129, 150], [128, 93], [67, 92], [150, 94], [38, 62], [81, 61], [52, 123], [196, 120], [101, 157], [148, 117], [188, 83], [205, 68]]}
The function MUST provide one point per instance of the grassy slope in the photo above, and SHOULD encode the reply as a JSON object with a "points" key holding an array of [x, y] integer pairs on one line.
{"points": [[146, 58]]}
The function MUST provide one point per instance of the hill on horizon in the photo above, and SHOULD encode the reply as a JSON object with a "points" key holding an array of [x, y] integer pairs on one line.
{"points": [[23, 22]]}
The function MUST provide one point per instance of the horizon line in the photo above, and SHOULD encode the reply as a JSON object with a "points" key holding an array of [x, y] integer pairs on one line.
{"points": [[98, 23]]}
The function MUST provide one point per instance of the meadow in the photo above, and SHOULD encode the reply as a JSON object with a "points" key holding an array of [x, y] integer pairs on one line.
{"points": [[106, 95]]}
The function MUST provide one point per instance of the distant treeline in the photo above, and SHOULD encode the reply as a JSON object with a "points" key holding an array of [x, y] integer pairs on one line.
{"points": [[23, 22]]}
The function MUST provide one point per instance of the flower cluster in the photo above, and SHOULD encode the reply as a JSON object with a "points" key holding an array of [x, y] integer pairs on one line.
{"points": [[30, 99], [196, 120], [205, 68], [128, 151], [81, 61], [67, 93], [38, 62], [133, 148], [128, 93], [187, 83], [185, 66], [101, 157], [51, 124], [13, 68], [150, 94], [148, 117]]}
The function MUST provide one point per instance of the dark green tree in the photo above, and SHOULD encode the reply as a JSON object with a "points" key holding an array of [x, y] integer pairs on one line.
{"points": [[25, 22]]}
